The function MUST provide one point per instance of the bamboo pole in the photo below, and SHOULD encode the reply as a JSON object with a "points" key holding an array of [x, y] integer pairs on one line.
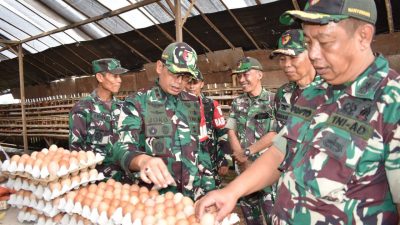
{"points": [[22, 90]]}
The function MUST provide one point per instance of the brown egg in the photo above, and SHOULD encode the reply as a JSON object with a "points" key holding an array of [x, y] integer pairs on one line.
{"points": [[95, 204], [53, 168], [63, 163], [115, 203], [169, 195], [66, 182], [101, 185], [99, 191], [90, 194], [38, 163], [170, 211], [140, 206], [71, 195], [143, 197], [92, 188], [160, 199], [169, 203], [55, 186], [187, 201], [125, 197], [159, 207], [153, 193], [133, 200], [98, 198], [149, 203], [76, 179], [74, 153], [73, 162], [108, 194], [179, 207], [83, 191], [149, 210], [84, 175], [207, 219], [110, 182], [82, 157], [148, 220], [87, 202], [111, 211], [143, 190], [93, 173], [79, 198], [33, 155], [185, 222], [23, 159], [192, 219], [117, 185], [29, 164], [137, 214], [128, 209], [126, 187], [103, 207], [134, 188], [123, 203]]}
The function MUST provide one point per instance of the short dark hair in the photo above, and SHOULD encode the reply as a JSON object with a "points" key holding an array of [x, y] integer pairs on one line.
{"points": [[352, 24]]}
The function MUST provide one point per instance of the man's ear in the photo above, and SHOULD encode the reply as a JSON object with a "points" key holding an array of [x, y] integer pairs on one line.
{"points": [[159, 66], [99, 77], [366, 34], [260, 74]]}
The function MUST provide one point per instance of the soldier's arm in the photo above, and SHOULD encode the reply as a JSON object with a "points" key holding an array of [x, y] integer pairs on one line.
{"points": [[78, 129], [264, 142]]}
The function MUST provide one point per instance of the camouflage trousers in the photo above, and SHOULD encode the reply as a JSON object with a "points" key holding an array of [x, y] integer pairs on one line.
{"points": [[115, 172], [257, 208]]}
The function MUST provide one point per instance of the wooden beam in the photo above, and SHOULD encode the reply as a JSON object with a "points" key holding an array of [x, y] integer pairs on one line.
{"points": [[178, 21], [215, 28], [160, 28], [188, 12], [190, 33], [41, 69], [296, 5], [389, 15], [22, 91], [9, 42], [241, 26], [171, 6]]}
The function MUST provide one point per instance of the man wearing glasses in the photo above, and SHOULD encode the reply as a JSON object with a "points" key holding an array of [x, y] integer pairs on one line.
{"points": [[159, 128]]}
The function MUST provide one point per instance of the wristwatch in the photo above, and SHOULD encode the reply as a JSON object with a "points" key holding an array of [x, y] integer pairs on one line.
{"points": [[247, 152]]}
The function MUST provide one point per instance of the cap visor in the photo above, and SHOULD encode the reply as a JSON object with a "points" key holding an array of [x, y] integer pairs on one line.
{"points": [[174, 69], [283, 51], [119, 71], [289, 17]]}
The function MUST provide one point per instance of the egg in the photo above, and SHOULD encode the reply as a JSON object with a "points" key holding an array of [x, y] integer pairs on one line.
{"points": [[115, 202], [123, 203], [170, 211], [153, 193], [133, 200], [137, 214], [188, 210], [125, 197], [179, 206], [53, 147], [82, 157], [192, 219], [95, 204], [187, 201], [159, 207], [149, 210], [45, 151], [128, 209], [178, 197], [98, 198], [76, 179], [103, 207], [110, 182], [143, 197], [64, 163], [71, 195], [118, 185], [140, 206], [101, 185], [169, 195], [55, 186], [23, 158], [29, 164], [185, 222], [169, 203], [40, 155], [90, 194], [53, 168], [66, 182], [148, 220], [73, 163], [111, 211], [87, 202], [74, 153], [91, 157], [38, 163], [92, 188], [108, 194], [160, 199], [99, 191], [93, 173], [84, 176], [207, 219], [79, 198], [83, 191], [143, 190], [33, 155], [134, 188]]}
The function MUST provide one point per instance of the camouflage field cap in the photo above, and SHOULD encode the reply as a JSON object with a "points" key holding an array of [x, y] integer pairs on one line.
{"points": [[108, 65], [246, 64], [290, 43], [325, 11], [179, 57], [199, 76]]}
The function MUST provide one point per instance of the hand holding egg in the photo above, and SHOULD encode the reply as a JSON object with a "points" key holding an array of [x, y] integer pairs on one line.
{"points": [[154, 170]]}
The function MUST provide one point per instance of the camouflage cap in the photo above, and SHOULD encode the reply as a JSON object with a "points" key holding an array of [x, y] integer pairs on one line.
{"points": [[246, 64], [199, 76], [179, 57], [108, 65], [325, 11], [290, 43]]}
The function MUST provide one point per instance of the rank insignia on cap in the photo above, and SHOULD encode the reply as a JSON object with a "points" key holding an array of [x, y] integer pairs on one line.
{"points": [[313, 2], [286, 39]]}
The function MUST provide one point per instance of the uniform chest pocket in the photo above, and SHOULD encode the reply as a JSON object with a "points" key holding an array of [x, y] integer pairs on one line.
{"points": [[100, 129], [330, 163], [263, 122]]}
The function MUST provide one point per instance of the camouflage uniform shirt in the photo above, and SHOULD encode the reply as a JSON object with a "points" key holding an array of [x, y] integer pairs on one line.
{"points": [[347, 153], [161, 125], [92, 127], [286, 96], [215, 144]]}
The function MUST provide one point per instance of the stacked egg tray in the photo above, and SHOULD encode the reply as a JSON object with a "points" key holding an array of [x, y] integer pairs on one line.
{"points": [[42, 178]]}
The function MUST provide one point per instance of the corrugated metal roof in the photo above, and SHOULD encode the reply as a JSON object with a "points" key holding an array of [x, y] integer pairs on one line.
{"points": [[136, 36]]}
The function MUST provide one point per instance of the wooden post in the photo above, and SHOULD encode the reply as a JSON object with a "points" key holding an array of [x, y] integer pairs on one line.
{"points": [[22, 89], [178, 21]]}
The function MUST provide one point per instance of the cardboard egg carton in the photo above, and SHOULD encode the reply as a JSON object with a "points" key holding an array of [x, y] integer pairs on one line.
{"points": [[140, 207], [50, 164], [31, 215], [23, 199], [56, 188]]}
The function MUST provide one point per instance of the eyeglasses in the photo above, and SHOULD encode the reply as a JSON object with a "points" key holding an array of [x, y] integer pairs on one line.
{"points": [[186, 77]]}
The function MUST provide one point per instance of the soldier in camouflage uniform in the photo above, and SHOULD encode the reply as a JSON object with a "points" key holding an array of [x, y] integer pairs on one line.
{"points": [[345, 166], [159, 129], [92, 120], [213, 137], [250, 133], [293, 60]]}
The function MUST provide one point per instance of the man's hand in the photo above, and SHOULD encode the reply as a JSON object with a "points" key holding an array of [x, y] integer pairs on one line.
{"points": [[224, 201], [154, 170], [5, 193], [239, 156]]}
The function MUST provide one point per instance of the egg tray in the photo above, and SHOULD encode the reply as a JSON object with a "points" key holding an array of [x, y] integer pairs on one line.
{"points": [[119, 218], [45, 192], [23, 199], [12, 169], [31, 215]]}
